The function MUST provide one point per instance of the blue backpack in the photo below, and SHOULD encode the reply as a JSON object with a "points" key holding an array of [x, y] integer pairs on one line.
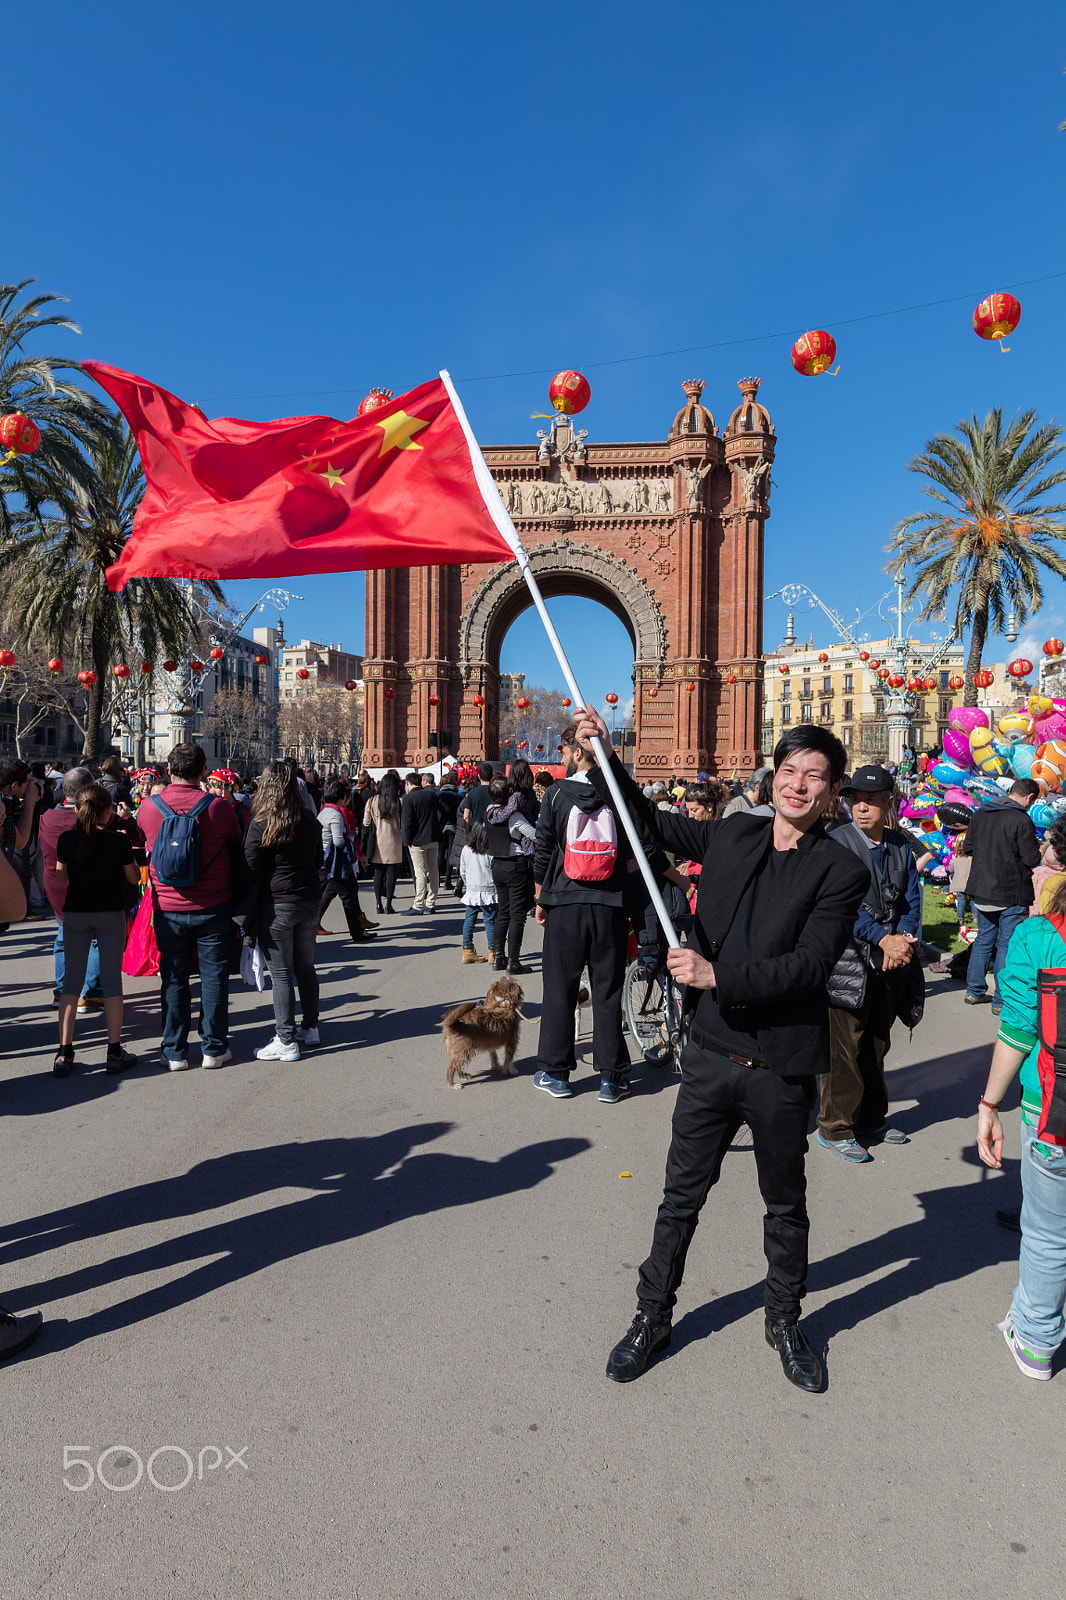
{"points": [[177, 851]]}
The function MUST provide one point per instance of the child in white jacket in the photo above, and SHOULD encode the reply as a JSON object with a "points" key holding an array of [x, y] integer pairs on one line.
{"points": [[479, 894]]}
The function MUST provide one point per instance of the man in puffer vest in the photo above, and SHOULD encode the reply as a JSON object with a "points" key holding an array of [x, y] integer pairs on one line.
{"points": [[585, 923], [876, 980]]}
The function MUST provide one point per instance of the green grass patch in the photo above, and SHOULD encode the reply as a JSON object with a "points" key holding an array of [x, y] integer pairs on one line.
{"points": [[940, 922]]}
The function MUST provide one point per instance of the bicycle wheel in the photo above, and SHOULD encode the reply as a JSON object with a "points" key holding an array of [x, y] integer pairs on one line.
{"points": [[644, 1004]]}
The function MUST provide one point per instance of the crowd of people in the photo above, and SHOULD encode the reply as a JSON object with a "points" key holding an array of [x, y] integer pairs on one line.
{"points": [[799, 899]]}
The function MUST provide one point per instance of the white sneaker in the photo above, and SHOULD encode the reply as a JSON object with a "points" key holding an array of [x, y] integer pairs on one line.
{"points": [[217, 1061], [181, 1065], [308, 1036], [276, 1051]]}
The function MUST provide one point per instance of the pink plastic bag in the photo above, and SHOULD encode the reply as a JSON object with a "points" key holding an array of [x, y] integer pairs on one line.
{"points": [[141, 959]]}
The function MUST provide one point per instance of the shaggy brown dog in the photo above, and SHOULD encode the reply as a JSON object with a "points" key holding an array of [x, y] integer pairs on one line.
{"points": [[479, 1026]]}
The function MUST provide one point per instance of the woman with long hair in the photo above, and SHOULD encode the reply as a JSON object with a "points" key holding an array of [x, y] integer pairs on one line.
{"points": [[283, 846], [96, 863], [382, 817], [511, 817]]}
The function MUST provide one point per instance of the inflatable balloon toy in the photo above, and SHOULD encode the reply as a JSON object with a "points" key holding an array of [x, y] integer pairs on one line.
{"points": [[957, 747], [1012, 729], [1021, 760], [1049, 766], [1042, 815], [968, 718]]}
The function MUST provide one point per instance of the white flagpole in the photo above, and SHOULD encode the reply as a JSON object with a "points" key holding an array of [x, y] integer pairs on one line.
{"points": [[500, 515]]}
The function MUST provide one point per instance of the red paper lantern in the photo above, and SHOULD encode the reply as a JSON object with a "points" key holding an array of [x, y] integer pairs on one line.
{"points": [[731, 677], [260, 659], [996, 316], [479, 699], [984, 679], [690, 688], [370, 402], [18, 435], [170, 666], [121, 671], [569, 392], [611, 699], [895, 681], [956, 681], [882, 673], [87, 678], [915, 685], [864, 655], [1020, 668], [7, 658], [539, 748], [388, 693], [565, 700], [930, 683], [351, 683], [434, 699], [522, 703], [196, 666], [524, 745], [823, 656], [217, 653], [303, 674], [813, 352], [784, 671], [147, 668], [1053, 648], [653, 693], [55, 664]]}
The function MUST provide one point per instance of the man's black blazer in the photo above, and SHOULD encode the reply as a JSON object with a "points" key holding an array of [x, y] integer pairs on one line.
{"points": [[799, 940]]}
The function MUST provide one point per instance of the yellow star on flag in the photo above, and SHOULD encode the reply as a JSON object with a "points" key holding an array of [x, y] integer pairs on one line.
{"points": [[331, 475], [398, 430]]}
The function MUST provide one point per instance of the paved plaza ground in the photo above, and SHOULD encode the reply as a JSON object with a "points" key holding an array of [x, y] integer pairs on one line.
{"points": [[397, 1301]]}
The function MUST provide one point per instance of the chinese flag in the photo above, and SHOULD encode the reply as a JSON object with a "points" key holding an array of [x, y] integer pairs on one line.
{"points": [[234, 499]]}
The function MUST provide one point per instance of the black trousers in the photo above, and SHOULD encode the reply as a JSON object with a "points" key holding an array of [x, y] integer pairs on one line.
{"points": [[513, 877], [576, 936], [346, 890], [715, 1098], [385, 881]]}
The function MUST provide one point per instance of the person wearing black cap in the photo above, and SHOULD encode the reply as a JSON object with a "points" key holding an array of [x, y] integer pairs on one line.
{"points": [[876, 980]]}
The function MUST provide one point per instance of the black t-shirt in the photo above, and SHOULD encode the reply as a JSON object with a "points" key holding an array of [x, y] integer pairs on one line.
{"points": [[733, 1031], [476, 801], [96, 881]]}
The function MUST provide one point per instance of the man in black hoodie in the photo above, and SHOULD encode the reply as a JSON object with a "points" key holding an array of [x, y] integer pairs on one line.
{"points": [[585, 924], [1001, 841]]}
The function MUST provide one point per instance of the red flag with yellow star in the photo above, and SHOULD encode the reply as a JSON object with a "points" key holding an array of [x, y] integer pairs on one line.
{"points": [[232, 499]]}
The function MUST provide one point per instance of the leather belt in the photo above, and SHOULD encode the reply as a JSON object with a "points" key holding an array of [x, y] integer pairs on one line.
{"points": [[744, 1061]]}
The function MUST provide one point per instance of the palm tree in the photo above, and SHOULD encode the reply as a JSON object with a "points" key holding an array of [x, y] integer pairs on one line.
{"points": [[991, 530], [69, 418], [55, 565]]}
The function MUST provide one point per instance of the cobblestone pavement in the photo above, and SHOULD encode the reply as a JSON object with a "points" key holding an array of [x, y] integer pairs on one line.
{"points": [[374, 1315]]}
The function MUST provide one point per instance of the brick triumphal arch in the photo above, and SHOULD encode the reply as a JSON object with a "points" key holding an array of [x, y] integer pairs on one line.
{"points": [[668, 535]]}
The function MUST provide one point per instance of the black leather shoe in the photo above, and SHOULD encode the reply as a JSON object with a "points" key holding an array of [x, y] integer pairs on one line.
{"points": [[500, 964], [801, 1365], [517, 970], [643, 1341]]}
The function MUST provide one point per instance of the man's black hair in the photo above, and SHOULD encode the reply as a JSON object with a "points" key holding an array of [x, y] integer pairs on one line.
{"points": [[336, 791], [1025, 788], [187, 761], [414, 779], [484, 771], [808, 736], [13, 771]]}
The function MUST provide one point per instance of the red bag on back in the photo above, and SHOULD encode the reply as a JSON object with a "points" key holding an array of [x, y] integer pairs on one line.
{"points": [[1051, 1062]]}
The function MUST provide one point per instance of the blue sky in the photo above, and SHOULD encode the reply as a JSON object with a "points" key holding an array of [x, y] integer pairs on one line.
{"points": [[269, 209]]}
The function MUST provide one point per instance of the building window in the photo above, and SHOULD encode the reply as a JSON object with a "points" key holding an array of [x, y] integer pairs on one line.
{"points": [[946, 707], [827, 711], [879, 708], [849, 682], [786, 691], [845, 736], [786, 716], [944, 680], [805, 687], [805, 715], [919, 709], [849, 709]]}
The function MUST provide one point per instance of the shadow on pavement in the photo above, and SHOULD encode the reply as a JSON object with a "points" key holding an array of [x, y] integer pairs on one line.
{"points": [[360, 1185]]}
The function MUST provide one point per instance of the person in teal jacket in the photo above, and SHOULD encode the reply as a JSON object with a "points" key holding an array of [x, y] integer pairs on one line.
{"points": [[1034, 1326]]}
